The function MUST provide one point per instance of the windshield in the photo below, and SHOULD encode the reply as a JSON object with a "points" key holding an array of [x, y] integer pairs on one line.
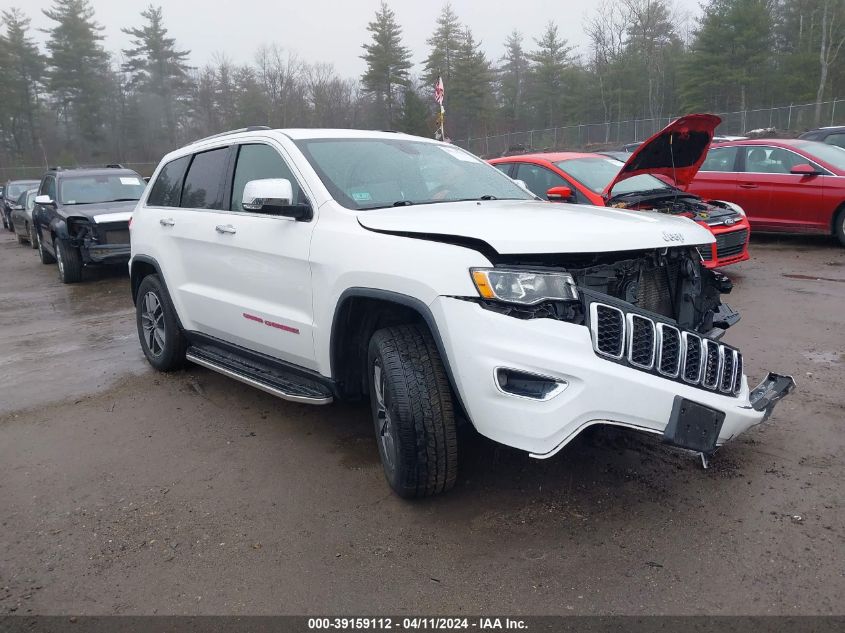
{"points": [[596, 174], [831, 154], [17, 188], [105, 188], [373, 173]]}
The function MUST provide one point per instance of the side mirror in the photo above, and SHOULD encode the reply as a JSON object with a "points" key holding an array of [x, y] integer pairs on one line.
{"points": [[16, 207], [559, 194], [274, 196], [44, 200], [804, 169]]}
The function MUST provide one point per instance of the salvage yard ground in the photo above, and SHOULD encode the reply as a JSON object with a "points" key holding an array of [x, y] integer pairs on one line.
{"points": [[127, 491]]}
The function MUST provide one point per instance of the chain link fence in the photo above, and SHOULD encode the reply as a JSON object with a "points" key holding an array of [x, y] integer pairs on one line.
{"points": [[785, 120]]}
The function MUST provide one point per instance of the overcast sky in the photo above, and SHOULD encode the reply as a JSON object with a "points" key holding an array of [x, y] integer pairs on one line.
{"points": [[329, 30]]}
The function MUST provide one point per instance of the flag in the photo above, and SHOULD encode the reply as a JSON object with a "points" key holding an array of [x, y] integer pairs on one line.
{"points": [[439, 91]]}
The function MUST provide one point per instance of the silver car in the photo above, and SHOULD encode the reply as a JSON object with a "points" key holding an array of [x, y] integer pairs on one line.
{"points": [[22, 217]]}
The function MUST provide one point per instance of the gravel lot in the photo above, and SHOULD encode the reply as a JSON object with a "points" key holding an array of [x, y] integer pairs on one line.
{"points": [[126, 491]]}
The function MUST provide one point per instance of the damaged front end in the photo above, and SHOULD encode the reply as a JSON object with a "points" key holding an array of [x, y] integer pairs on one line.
{"points": [[658, 311], [99, 243]]}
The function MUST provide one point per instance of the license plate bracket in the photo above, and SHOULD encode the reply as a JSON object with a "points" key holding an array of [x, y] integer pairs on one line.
{"points": [[693, 426]]}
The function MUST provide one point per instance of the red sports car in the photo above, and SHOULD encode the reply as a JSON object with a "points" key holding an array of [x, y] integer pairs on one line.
{"points": [[673, 155], [794, 186]]}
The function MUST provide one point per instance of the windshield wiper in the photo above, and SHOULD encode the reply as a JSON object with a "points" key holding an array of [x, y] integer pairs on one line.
{"points": [[402, 203], [122, 200]]}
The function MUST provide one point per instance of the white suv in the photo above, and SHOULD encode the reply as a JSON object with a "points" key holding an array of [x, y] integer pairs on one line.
{"points": [[337, 264]]}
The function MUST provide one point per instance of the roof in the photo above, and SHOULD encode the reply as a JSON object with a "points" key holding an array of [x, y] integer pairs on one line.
{"points": [[21, 180], [782, 142]]}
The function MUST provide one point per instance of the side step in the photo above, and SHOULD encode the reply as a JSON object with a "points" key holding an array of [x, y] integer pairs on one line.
{"points": [[278, 382]]}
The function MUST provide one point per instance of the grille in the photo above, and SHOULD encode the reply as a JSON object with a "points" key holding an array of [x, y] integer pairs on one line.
{"points": [[117, 237], [609, 331], [730, 244], [638, 341], [641, 346], [706, 252], [668, 350], [712, 363]]}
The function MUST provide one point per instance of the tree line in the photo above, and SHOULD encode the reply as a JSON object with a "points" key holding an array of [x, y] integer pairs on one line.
{"points": [[73, 102]]}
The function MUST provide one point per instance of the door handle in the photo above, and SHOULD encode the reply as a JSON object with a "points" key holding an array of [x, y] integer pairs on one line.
{"points": [[747, 185], [166, 222], [225, 228]]}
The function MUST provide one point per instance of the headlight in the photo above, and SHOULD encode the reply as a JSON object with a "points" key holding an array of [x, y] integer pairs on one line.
{"points": [[526, 287]]}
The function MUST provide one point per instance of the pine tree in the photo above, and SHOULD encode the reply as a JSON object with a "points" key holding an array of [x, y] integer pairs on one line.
{"points": [[550, 62], [415, 114], [471, 99], [23, 68], [388, 62], [444, 43], [157, 68], [731, 60], [77, 68], [513, 74]]}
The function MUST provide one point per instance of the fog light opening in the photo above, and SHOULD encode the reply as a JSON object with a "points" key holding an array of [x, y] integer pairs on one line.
{"points": [[528, 385]]}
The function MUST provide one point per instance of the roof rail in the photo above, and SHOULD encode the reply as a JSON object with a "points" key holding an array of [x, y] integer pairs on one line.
{"points": [[251, 128], [115, 166]]}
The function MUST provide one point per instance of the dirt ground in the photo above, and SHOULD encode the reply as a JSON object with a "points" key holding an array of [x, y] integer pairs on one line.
{"points": [[127, 491]]}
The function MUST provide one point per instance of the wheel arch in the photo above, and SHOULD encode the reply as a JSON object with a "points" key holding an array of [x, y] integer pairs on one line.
{"points": [[358, 314], [836, 217], [141, 266]]}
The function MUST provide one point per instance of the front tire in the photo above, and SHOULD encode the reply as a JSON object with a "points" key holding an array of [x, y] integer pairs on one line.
{"points": [[69, 260], [413, 413], [839, 227], [162, 339]]}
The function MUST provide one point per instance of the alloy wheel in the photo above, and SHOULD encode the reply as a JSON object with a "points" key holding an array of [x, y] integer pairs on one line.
{"points": [[384, 427], [152, 323]]}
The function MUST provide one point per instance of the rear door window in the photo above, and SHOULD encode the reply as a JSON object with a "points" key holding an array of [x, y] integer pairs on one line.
{"points": [[203, 188], [167, 187]]}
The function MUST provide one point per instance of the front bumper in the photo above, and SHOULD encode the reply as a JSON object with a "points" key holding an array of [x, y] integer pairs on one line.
{"points": [[106, 253], [479, 342]]}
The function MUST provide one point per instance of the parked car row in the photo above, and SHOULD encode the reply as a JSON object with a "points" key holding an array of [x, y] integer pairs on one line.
{"points": [[75, 217]]}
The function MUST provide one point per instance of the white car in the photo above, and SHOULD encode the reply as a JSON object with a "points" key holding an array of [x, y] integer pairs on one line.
{"points": [[337, 264]]}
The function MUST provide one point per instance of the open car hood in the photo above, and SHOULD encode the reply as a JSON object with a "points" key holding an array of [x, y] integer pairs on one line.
{"points": [[677, 151]]}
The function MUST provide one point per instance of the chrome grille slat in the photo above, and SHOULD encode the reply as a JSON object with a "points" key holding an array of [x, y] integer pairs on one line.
{"points": [[647, 345]]}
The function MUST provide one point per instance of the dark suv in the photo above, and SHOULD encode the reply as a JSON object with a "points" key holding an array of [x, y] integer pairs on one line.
{"points": [[11, 192], [834, 135], [81, 217]]}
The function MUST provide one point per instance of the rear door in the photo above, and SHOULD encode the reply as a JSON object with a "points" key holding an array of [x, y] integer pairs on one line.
{"points": [[775, 199], [248, 280]]}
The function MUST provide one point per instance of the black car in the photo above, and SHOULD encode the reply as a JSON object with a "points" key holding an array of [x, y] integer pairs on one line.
{"points": [[81, 217], [11, 193], [831, 135]]}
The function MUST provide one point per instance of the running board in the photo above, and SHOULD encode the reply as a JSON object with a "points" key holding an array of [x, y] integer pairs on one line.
{"points": [[285, 385]]}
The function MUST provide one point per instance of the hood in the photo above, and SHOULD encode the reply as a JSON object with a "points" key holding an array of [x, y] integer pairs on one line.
{"points": [[524, 226], [677, 151], [102, 211]]}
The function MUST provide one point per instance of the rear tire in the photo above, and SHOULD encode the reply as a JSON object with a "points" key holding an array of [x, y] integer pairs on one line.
{"points": [[162, 339], [839, 226], [69, 261], [413, 413], [43, 255]]}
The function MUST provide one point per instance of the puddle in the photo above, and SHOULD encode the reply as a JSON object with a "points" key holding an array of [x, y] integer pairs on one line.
{"points": [[813, 278]]}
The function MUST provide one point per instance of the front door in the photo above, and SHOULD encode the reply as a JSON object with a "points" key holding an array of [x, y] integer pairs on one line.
{"points": [[250, 280]]}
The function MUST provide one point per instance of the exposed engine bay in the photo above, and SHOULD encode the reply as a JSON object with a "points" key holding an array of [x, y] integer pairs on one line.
{"points": [[675, 202], [669, 282]]}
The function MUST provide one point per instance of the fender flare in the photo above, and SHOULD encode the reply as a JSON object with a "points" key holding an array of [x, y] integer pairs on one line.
{"points": [[407, 301]]}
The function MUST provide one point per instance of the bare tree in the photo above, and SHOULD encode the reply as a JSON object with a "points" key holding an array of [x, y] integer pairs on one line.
{"points": [[831, 43]]}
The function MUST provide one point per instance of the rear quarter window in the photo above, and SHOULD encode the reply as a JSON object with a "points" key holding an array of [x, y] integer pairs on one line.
{"points": [[167, 187]]}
